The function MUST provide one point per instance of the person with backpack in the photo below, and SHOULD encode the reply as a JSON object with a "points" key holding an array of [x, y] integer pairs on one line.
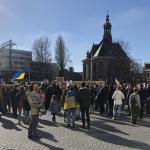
{"points": [[135, 105], [84, 94], [143, 96]]}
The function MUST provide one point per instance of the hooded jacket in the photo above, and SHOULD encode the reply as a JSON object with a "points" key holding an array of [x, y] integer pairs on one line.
{"points": [[118, 96]]}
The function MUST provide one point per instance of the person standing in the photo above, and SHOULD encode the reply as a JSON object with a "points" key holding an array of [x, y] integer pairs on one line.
{"points": [[110, 100], [63, 97], [117, 96], [14, 92], [142, 94], [148, 100], [54, 107], [92, 100], [70, 105], [84, 100], [1, 99], [102, 98], [35, 104], [20, 101], [135, 105], [26, 104], [51, 90]]}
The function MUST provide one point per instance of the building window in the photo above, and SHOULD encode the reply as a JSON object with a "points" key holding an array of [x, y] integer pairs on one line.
{"points": [[148, 75], [94, 66]]}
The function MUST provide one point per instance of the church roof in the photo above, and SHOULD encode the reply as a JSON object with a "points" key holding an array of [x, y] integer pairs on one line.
{"points": [[110, 50], [107, 48]]}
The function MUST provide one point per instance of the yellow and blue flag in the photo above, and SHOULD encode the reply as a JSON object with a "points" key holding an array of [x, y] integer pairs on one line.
{"points": [[20, 75]]}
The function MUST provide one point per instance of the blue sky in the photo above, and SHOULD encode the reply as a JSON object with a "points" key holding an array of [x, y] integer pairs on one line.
{"points": [[80, 22]]}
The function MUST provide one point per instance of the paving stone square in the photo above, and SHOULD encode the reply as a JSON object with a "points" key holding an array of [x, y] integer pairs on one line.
{"points": [[105, 134]]}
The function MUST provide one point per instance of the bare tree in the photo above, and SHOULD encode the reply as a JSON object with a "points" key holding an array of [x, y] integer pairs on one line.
{"points": [[61, 54], [41, 49], [125, 45], [135, 67]]}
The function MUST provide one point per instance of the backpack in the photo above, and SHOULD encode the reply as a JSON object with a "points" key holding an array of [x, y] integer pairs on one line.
{"points": [[133, 101]]}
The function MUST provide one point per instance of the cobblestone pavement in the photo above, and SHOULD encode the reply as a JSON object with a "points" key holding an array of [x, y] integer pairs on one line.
{"points": [[105, 134]]}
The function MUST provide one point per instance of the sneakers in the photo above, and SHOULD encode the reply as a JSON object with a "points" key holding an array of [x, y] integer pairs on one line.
{"points": [[88, 127], [83, 126], [113, 118], [73, 125]]}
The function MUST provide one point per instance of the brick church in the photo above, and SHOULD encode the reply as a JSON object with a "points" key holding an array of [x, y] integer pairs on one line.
{"points": [[106, 60]]}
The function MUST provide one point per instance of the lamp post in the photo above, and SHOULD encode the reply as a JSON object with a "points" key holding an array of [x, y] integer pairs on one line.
{"points": [[91, 67]]}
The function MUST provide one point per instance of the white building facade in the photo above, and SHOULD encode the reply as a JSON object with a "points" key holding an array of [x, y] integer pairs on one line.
{"points": [[14, 60]]}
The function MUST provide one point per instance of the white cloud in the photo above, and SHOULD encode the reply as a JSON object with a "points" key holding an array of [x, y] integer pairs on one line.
{"points": [[4, 9]]}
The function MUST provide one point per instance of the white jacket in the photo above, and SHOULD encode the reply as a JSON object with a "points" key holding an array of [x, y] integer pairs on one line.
{"points": [[118, 96]]}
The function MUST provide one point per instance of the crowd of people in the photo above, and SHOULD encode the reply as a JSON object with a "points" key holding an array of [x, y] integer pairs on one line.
{"points": [[77, 101]]}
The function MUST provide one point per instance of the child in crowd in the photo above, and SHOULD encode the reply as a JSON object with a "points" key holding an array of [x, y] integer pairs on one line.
{"points": [[54, 107]]}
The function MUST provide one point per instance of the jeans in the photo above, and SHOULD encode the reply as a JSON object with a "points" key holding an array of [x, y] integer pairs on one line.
{"points": [[54, 117], [83, 112], [33, 125], [116, 110], [134, 113], [92, 108], [71, 114], [14, 108], [19, 114], [142, 111], [0, 108]]}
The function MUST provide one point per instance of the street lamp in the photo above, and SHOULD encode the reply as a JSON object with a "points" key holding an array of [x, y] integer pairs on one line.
{"points": [[91, 67]]}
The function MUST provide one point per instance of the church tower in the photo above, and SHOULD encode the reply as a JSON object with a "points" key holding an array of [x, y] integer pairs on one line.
{"points": [[107, 31]]}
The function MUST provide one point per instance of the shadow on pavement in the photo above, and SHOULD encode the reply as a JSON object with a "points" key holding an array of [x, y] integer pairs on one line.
{"points": [[144, 123], [123, 121], [8, 124], [103, 132], [47, 123], [43, 134], [48, 146], [115, 139], [103, 126], [27, 122], [46, 135]]}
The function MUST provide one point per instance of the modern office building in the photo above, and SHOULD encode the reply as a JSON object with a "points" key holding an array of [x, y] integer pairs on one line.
{"points": [[14, 60]]}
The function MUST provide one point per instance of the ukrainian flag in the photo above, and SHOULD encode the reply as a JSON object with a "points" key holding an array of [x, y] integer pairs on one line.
{"points": [[20, 75]]}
